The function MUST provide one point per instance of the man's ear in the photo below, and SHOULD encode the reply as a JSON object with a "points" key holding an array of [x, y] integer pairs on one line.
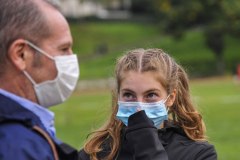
{"points": [[171, 99], [17, 54]]}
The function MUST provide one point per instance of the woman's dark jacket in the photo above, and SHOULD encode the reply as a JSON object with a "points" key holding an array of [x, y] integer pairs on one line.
{"points": [[142, 141]]}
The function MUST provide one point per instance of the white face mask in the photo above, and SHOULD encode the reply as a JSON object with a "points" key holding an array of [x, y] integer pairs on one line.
{"points": [[53, 92]]}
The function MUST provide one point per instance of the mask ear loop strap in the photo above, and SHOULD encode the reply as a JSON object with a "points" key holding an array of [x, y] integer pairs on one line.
{"points": [[167, 109], [165, 101], [166, 98], [29, 77], [39, 49]]}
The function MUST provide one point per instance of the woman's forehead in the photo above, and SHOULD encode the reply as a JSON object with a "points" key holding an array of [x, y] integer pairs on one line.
{"points": [[141, 80]]}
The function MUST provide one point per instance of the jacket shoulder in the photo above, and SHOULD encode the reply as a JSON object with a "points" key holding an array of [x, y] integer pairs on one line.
{"points": [[205, 151], [189, 149], [23, 142], [83, 155]]}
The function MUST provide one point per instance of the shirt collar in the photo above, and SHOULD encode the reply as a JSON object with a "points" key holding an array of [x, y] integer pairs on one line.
{"points": [[46, 116]]}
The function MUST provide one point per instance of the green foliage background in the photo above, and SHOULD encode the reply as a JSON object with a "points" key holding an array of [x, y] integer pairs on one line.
{"points": [[118, 37]]}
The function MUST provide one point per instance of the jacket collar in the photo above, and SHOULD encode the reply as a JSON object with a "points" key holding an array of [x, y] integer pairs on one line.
{"points": [[12, 111], [168, 131], [170, 126]]}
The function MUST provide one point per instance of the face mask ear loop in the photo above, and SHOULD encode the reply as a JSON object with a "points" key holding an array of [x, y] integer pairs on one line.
{"points": [[165, 101], [30, 78], [39, 49]]}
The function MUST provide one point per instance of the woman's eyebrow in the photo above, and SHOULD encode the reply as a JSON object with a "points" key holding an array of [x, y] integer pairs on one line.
{"points": [[152, 90], [127, 90]]}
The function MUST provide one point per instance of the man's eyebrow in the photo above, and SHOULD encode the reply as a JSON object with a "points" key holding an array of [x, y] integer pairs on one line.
{"points": [[67, 44]]}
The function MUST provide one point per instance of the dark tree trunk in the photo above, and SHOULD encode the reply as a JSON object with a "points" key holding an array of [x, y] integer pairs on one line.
{"points": [[215, 41]]}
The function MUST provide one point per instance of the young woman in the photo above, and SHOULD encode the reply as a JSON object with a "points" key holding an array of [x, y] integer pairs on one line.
{"points": [[153, 117]]}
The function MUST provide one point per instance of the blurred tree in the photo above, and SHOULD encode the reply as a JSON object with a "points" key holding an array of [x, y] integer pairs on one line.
{"points": [[142, 7], [216, 18]]}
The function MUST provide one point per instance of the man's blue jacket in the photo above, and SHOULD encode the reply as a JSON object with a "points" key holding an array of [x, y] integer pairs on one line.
{"points": [[23, 136]]}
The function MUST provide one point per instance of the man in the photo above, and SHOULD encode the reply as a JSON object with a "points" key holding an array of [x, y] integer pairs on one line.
{"points": [[37, 70]]}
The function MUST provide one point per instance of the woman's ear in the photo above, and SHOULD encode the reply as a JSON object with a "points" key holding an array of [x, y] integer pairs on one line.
{"points": [[171, 98], [17, 54]]}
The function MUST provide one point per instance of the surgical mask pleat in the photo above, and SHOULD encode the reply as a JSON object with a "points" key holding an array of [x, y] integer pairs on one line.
{"points": [[155, 111], [56, 91]]}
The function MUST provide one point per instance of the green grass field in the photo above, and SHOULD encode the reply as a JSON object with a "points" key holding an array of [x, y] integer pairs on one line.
{"points": [[119, 37], [218, 99]]}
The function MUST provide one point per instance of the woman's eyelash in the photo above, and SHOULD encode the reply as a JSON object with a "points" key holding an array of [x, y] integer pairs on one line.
{"points": [[127, 93], [152, 93]]}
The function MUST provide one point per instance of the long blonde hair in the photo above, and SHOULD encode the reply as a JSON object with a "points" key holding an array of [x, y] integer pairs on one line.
{"points": [[172, 76]]}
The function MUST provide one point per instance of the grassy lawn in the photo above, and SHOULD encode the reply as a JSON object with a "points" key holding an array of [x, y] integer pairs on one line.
{"points": [[218, 99], [82, 113], [118, 37]]}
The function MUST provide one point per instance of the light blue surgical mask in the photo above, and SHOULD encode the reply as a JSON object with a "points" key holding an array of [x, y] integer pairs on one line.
{"points": [[155, 111]]}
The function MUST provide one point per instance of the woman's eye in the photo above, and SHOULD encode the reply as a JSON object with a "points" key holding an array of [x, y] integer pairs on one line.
{"points": [[128, 97], [152, 97]]}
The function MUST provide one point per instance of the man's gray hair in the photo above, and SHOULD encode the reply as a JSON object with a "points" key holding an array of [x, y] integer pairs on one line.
{"points": [[21, 19]]}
